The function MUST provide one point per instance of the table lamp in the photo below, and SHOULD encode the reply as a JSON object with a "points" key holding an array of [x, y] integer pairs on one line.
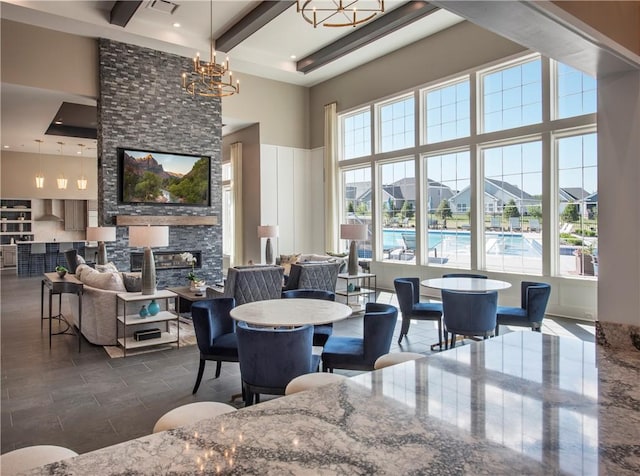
{"points": [[101, 234], [353, 233], [268, 232], [147, 237]]}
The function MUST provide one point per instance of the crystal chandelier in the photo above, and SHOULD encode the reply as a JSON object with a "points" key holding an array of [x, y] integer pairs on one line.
{"points": [[62, 180], [39, 175], [82, 180], [337, 13], [210, 79]]}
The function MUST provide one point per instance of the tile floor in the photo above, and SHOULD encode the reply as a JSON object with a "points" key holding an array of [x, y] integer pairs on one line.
{"points": [[86, 400]]}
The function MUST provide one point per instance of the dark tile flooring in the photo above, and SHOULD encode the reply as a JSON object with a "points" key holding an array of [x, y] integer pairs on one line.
{"points": [[86, 400]]}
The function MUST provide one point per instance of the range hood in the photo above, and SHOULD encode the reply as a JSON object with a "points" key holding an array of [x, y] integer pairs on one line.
{"points": [[48, 212]]}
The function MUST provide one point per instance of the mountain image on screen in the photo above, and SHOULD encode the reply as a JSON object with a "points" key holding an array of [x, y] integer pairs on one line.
{"points": [[147, 180]]}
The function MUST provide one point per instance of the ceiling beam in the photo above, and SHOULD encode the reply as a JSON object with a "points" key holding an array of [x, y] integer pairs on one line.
{"points": [[122, 12], [374, 30], [250, 23]]}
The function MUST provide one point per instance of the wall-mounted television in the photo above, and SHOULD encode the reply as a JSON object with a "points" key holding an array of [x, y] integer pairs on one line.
{"points": [[152, 177]]}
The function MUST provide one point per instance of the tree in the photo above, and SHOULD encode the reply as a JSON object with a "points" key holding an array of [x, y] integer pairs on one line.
{"points": [[362, 208], [350, 208], [444, 212], [570, 214], [510, 210], [535, 211], [407, 209]]}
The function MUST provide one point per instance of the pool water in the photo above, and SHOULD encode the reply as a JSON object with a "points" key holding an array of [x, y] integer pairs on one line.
{"points": [[460, 241]]}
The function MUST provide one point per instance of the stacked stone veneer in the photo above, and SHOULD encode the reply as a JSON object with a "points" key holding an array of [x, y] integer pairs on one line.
{"points": [[142, 106]]}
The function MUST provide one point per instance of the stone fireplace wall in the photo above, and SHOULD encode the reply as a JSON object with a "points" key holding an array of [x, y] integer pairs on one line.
{"points": [[142, 106]]}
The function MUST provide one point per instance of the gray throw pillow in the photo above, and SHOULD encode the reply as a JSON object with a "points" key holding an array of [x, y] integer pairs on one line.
{"points": [[132, 282]]}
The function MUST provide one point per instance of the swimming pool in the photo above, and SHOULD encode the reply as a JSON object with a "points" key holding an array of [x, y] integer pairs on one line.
{"points": [[460, 242]]}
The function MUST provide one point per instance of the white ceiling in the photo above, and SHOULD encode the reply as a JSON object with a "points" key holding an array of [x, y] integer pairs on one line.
{"points": [[26, 112]]}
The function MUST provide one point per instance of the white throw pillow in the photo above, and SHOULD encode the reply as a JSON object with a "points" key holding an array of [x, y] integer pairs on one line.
{"points": [[107, 281], [107, 268]]}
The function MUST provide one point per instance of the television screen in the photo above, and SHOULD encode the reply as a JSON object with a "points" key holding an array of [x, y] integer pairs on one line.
{"points": [[164, 178]]}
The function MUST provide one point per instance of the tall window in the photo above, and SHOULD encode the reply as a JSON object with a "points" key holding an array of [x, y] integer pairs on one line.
{"points": [[578, 205], [575, 92], [513, 208], [397, 124], [356, 134], [448, 198], [357, 205], [448, 112], [398, 198], [512, 97]]}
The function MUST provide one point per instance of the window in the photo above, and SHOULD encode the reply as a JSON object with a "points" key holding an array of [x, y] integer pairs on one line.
{"points": [[356, 199], [397, 125], [448, 199], [447, 112], [575, 92], [356, 134], [513, 200], [398, 198], [512, 97], [578, 205]]}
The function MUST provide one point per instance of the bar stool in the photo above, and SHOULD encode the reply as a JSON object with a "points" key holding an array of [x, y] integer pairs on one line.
{"points": [[191, 413], [38, 249], [24, 459], [393, 358], [63, 247], [312, 380]]}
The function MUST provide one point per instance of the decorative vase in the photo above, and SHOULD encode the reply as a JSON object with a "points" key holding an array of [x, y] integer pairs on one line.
{"points": [[196, 285], [143, 311], [61, 273], [154, 307]]}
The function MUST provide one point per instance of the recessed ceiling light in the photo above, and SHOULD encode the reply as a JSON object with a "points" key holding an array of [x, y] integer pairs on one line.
{"points": [[58, 122], [293, 56], [176, 25], [6, 146]]}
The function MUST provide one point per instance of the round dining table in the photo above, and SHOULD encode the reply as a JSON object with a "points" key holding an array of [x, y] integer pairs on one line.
{"points": [[291, 312], [467, 285]]}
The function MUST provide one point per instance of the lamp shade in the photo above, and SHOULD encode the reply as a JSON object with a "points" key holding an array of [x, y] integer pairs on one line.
{"points": [[148, 236], [267, 231], [353, 232], [101, 233]]}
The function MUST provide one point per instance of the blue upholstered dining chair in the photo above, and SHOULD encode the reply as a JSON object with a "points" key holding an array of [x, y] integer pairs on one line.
{"points": [[464, 275], [271, 357], [408, 293], [533, 304], [468, 314], [361, 353], [215, 333], [321, 332]]}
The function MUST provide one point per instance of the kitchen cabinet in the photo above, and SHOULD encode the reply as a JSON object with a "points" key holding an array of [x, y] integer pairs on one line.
{"points": [[9, 253], [15, 221], [75, 215]]}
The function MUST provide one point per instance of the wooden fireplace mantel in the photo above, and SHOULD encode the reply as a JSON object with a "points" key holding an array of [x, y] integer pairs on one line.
{"points": [[127, 220]]}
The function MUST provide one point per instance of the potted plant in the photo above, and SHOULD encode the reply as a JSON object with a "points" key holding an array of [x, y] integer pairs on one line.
{"points": [[194, 282], [61, 270]]}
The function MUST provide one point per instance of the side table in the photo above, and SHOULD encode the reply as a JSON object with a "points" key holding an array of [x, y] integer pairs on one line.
{"points": [[131, 319], [57, 285], [185, 297], [361, 285]]}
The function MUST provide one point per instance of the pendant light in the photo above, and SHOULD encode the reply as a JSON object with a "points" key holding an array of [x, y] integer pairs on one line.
{"points": [[82, 180], [62, 180], [39, 175]]}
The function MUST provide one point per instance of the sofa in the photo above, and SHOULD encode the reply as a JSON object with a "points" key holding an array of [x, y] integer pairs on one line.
{"points": [[99, 302]]}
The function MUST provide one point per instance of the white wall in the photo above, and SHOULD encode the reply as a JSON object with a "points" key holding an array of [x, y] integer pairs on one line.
{"points": [[292, 198]]}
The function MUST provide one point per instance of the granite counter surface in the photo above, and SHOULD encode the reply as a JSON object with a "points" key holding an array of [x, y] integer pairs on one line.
{"points": [[522, 403]]}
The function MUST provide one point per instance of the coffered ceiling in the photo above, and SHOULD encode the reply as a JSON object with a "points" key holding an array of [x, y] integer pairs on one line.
{"points": [[266, 39]]}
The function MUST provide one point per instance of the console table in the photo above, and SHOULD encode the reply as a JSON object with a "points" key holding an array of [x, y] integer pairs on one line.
{"points": [[57, 285]]}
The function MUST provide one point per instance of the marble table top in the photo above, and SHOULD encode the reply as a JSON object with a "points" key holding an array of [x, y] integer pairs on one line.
{"points": [[468, 285], [291, 312], [522, 403]]}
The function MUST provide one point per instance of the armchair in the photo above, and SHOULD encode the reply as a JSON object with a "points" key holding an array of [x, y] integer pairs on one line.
{"points": [[321, 276], [252, 283], [534, 298]]}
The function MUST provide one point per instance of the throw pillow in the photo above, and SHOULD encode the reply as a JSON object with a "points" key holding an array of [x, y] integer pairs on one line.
{"points": [[107, 281], [287, 260], [80, 260], [107, 268], [132, 281]]}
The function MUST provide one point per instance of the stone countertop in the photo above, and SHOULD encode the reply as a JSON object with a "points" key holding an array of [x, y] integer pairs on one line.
{"points": [[522, 403]]}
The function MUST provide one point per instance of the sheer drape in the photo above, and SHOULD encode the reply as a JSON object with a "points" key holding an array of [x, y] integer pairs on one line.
{"points": [[331, 199], [236, 190]]}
